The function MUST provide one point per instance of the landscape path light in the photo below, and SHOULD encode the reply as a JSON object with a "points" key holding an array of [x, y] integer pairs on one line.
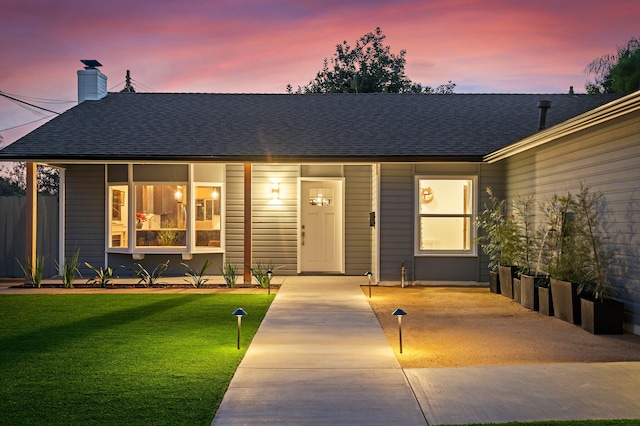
{"points": [[239, 313], [369, 274], [399, 313], [269, 275]]}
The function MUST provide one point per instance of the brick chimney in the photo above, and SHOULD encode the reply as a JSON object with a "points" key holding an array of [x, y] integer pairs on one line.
{"points": [[92, 84]]}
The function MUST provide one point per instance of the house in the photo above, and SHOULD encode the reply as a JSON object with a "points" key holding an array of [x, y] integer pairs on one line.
{"points": [[329, 184]]}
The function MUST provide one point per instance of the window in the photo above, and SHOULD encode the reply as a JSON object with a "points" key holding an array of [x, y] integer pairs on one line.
{"points": [[445, 215], [208, 215], [118, 218], [161, 215], [168, 208]]}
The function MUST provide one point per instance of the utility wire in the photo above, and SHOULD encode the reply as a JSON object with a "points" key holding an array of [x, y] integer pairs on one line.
{"points": [[27, 103], [25, 124]]}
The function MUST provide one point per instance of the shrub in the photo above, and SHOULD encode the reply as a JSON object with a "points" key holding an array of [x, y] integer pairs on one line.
{"points": [[149, 279], [33, 271], [69, 269], [197, 277]]}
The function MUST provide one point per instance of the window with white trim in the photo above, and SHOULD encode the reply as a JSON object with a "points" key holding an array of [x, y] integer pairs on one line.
{"points": [[445, 209], [155, 209]]}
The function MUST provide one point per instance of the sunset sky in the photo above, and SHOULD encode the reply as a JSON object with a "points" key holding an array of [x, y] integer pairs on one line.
{"points": [[254, 46]]}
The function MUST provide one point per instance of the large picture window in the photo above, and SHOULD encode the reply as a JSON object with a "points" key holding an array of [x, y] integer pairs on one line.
{"points": [[161, 215], [445, 215], [174, 208]]}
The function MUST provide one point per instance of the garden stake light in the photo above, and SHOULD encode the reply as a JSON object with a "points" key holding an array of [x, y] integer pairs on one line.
{"points": [[399, 313], [368, 274], [269, 275], [239, 313]]}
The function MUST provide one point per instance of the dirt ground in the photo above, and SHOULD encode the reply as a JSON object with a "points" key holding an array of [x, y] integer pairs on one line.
{"points": [[462, 326]]}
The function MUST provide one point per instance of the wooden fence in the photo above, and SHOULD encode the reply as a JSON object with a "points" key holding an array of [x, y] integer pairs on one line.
{"points": [[13, 234]]}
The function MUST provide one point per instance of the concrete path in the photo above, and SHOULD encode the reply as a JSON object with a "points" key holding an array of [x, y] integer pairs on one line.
{"points": [[319, 358], [587, 391]]}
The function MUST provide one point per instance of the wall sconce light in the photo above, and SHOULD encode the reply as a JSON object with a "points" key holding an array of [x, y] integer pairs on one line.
{"points": [[178, 195], [215, 194], [275, 191]]}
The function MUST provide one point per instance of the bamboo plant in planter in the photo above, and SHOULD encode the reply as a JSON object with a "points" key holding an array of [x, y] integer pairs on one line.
{"points": [[498, 242], [530, 275], [564, 252], [599, 314]]}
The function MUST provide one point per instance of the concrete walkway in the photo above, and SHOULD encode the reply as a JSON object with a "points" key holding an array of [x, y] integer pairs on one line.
{"points": [[321, 358]]}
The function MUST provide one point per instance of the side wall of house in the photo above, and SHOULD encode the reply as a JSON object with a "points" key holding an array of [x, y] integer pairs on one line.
{"points": [[607, 159], [398, 222], [85, 213]]}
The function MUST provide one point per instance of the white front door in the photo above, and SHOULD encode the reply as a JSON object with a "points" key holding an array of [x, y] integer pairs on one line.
{"points": [[320, 236]]}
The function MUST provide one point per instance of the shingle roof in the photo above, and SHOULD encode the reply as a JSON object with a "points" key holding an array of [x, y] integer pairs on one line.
{"points": [[272, 127]]}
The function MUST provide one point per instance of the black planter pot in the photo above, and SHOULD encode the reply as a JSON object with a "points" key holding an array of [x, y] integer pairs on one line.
{"points": [[494, 282], [529, 294], [506, 275], [517, 293], [602, 317], [566, 302], [545, 301]]}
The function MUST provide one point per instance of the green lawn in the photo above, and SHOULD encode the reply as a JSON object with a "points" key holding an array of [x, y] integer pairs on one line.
{"points": [[566, 423], [115, 359]]}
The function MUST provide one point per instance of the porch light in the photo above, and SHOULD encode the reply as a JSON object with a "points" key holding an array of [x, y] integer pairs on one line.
{"points": [[275, 191], [178, 195], [239, 313], [399, 313], [215, 194]]}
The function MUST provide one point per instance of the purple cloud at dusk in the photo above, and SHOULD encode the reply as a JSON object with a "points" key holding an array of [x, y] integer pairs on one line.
{"points": [[242, 46]]}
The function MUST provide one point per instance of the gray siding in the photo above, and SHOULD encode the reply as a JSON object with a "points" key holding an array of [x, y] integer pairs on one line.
{"points": [[607, 160], [357, 230], [275, 225], [396, 220], [234, 220], [85, 213]]}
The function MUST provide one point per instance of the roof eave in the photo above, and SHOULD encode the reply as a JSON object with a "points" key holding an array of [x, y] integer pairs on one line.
{"points": [[594, 117], [62, 159]]}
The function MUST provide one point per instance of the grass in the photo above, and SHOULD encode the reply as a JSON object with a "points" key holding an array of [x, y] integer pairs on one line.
{"points": [[119, 359], [565, 423]]}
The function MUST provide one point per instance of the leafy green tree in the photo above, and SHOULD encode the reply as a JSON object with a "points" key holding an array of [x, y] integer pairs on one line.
{"points": [[618, 73], [13, 179], [367, 67]]}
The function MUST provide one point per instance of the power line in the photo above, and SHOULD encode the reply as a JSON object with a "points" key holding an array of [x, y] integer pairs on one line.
{"points": [[25, 124], [27, 103]]}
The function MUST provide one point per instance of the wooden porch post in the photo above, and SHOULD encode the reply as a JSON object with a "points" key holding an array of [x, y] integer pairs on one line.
{"points": [[247, 223], [31, 213]]}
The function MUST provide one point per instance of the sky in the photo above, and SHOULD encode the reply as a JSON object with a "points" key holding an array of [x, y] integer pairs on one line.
{"points": [[255, 46]]}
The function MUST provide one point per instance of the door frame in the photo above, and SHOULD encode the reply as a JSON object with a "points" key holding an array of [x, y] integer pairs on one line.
{"points": [[302, 198]]}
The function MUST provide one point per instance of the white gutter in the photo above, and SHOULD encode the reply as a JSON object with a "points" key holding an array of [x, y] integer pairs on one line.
{"points": [[594, 117]]}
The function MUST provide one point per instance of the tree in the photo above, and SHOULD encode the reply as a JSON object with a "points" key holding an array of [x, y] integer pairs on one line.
{"points": [[368, 67], [619, 73], [13, 180]]}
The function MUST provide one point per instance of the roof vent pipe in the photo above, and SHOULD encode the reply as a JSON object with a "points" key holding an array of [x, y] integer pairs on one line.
{"points": [[542, 121]]}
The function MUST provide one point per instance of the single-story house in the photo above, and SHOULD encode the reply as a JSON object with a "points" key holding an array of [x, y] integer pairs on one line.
{"points": [[330, 184]]}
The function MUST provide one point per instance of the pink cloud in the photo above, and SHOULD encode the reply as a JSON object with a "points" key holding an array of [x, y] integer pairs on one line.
{"points": [[251, 46]]}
